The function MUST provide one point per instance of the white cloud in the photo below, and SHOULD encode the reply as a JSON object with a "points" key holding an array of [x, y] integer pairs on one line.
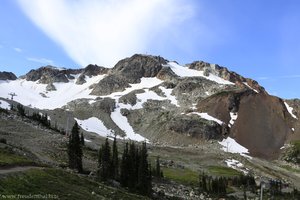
{"points": [[41, 60], [278, 77], [104, 31], [18, 49]]}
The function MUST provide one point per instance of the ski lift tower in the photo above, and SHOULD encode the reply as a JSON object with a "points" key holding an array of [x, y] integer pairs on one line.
{"points": [[12, 94]]}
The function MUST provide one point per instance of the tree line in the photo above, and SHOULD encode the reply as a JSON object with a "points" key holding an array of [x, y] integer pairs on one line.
{"points": [[132, 171]]}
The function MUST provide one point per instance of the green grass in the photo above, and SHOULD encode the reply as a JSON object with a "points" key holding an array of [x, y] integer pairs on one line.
{"points": [[60, 183], [9, 158], [183, 176], [223, 171]]}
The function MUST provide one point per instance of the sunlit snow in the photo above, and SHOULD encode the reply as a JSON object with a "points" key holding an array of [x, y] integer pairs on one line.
{"points": [[245, 83], [290, 110], [230, 145], [233, 117], [30, 93], [4, 105], [145, 83], [186, 72], [168, 93], [123, 124], [95, 125], [207, 117]]}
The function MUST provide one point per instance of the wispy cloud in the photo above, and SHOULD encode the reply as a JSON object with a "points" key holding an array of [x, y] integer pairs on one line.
{"points": [[41, 60], [278, 77], [19, 50], [105, 31]]}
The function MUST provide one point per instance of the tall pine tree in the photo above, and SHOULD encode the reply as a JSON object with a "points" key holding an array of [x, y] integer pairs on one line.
{"points": [[105, 162], [75, 149], [115, 161], [144, 179], [124, 176]]}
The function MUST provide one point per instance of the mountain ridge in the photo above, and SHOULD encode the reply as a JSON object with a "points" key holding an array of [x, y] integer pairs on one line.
{"points": [[149, 97]]}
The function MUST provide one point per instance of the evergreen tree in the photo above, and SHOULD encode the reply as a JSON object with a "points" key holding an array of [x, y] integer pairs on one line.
{"points": [[81, 139], [132, 167], [105, 163], [75, 149], [157, 172], [115, 161], [124, 176], [21, 110], [144, 180]]}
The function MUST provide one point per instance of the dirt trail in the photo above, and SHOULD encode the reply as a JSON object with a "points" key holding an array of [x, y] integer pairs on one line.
{"points": [[8, 170]]}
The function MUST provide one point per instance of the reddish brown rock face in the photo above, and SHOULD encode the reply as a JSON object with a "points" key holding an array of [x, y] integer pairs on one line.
{"points": [[262, 123]]}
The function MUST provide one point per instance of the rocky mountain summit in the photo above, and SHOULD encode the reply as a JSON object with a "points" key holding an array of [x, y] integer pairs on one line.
{"points": [[7, 76], [146, 97]]}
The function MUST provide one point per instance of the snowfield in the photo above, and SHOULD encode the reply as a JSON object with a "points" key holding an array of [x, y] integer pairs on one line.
{"points": [[4, 105], [123, 124], [145, 83], [230, 145], [35, 95], [186, 72], [95, 125]]}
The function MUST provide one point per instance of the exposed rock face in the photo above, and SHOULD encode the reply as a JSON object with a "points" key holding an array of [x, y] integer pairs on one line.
{"points": [[167, 74], [224, 73], [50, 87], [261, 125], [109, 84], [138, 66], [295, 123], [47, 75], [91, 70], [7, 76], [129, 70]]}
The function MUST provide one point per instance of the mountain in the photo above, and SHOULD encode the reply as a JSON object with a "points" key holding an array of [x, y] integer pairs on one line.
{"points": [[150, 98]]}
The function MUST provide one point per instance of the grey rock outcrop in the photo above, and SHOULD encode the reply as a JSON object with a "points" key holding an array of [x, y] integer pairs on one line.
{"points": [[7, 76], [50, 87], [129, 70], [91, 70], [224, 73], [47, 75]]}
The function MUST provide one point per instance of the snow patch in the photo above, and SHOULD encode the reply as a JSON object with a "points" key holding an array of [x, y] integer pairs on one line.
{"points": [[186, 72], [122, 122], [145, 83], [290, 110], [95, 125], [4, 105], [86, 140], [207, 117], [237, 165], [233, 117], [230, 145], [245, 83], [168, 93], [29, 92]]}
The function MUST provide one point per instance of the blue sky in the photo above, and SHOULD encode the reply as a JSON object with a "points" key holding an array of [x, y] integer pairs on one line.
{"points": [[257, 39]]}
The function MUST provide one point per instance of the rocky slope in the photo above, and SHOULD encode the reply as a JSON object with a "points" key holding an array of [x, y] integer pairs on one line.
{"points": [[7, 76], [148, 97]]}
